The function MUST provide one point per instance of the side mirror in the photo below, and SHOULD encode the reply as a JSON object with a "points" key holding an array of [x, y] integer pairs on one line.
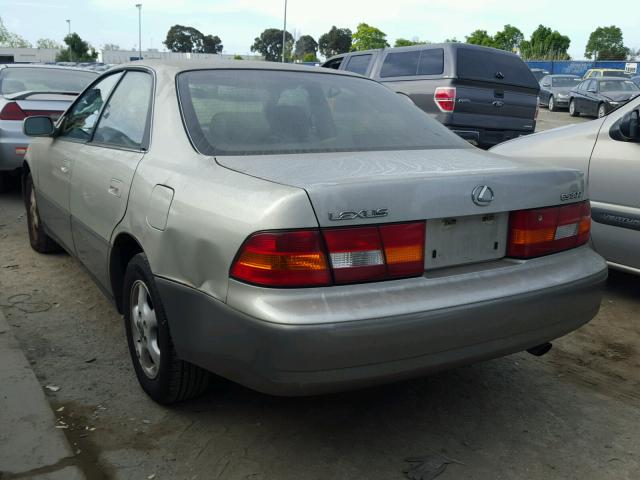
{"points": [[38, 126], [627, 129]]}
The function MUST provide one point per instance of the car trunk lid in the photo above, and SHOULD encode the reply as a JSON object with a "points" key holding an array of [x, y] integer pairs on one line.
{"points": [[51, 104]]}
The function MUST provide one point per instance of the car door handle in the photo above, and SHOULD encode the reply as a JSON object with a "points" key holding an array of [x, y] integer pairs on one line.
{"points": [[115, 187]]}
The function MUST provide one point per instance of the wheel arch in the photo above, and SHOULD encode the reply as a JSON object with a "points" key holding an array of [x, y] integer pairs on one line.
{"points": [[125, 247]]}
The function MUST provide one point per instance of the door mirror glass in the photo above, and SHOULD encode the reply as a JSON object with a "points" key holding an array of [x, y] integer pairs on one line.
{"points": [[627, 128], [39, 126]]}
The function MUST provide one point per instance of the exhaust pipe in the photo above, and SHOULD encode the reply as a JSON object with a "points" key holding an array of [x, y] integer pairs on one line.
{"points": [[540, 350]]}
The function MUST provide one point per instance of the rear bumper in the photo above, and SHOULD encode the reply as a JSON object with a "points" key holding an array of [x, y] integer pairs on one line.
{"points": [[286, 358], [486, 138], [11, 137]]}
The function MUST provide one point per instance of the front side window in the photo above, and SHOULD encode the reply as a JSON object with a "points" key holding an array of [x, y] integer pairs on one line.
{"points": [[124, 120], [359, 64], [260, 112], [79, 122]]}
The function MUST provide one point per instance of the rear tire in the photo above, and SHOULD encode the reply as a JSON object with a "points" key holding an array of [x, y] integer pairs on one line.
{"points": [[38, 238], [552, 104], [572, 108], [162, 375]]}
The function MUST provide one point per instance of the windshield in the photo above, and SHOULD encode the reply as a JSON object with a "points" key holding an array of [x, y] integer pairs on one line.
{"points": [[614, 73], [618, 86], [566, 81], [13, 80], [244, 112]]}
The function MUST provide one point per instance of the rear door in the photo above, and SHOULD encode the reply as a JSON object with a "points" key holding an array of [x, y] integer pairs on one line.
{"points": [[103, 173], [495, 90], [615, 197]]}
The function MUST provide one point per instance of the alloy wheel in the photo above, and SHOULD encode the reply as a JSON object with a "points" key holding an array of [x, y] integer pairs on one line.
{"points": [[144, 329]]}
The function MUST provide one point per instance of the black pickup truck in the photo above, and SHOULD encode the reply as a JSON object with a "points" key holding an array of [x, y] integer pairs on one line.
{"points": [[483, 94]]}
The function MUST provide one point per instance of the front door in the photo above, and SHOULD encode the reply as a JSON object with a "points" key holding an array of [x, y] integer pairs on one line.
{"points": [[103, 174], [614, 175], [56, 169]]}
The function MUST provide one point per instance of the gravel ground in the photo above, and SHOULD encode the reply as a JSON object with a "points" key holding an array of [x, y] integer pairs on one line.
{"points": [[572, 414]]}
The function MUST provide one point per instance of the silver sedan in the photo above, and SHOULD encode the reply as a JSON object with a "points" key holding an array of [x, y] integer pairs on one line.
{"points": [[302, 230], [607, 150]]}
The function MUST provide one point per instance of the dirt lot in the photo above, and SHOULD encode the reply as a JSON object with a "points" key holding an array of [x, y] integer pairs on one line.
{"points": [[573, 414]]}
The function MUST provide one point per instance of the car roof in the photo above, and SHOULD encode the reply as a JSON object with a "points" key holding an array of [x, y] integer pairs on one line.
{"points": [[39, 65], [600, 79], [569, 75], [177, 66]]}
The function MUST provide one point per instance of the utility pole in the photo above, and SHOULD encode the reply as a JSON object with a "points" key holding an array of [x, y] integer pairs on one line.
{"points": [[139, 6], [284, 31]]}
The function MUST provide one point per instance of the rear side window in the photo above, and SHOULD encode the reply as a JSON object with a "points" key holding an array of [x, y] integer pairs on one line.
{"points": [[495, 67], [335, 63], [358, 64], [124, 120], [413, 62]]}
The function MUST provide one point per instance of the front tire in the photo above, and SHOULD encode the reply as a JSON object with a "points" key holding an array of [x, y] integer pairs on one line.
{"points": [[602, 110], [572, 108], [552, 104], [162, 375], [38, 238]]}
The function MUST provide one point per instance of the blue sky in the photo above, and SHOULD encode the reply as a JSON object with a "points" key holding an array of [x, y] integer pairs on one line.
{"points": [[237, 22]]}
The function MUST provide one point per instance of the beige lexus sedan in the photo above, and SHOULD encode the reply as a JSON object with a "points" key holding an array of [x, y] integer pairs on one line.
{"points": [[301, 230], [607, 150]]}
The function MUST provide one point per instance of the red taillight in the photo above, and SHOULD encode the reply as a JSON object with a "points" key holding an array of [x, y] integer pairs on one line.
{"points": [[12, 111], [355, 254], [283, 259], [542, 231], [445, 98]]}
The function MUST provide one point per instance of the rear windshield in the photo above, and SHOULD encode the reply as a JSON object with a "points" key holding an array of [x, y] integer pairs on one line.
{"points": [[413, 62], [13, 80], [618, 86], [493, 66], [249, 112], [566, 81]]}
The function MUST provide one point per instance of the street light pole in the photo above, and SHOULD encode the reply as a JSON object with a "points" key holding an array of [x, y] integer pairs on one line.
{"points": [[284, 31], [139, 6], [70, 51]]}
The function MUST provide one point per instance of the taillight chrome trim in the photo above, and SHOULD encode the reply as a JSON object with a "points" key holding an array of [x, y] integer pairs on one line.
{"points": [[445, 96]]}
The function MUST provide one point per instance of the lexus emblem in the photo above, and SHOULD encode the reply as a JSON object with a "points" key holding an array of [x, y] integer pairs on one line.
{"points": [[482, 195]]}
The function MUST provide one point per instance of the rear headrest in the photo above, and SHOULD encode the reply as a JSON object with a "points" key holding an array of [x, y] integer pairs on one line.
{"points": [[233, 128], [289, 121]]}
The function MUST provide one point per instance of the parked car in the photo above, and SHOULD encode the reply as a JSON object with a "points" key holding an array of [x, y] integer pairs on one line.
{"points": [[554, 90], [605, 72], [597, 97], [31, 90], [300, 230], [483, 94], [538, 73], [607, 150]]}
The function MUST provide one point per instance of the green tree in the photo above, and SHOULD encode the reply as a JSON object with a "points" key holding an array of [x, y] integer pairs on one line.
{"points": [[191, 40], [545, 44], [368, 37], [306, 45], [606, 43], [11, 40], [403, 42], [509, 38], [310, 57], [47, 43], [452, 40], [211, 44], [238, 57], [480, 37], [335, 42], [269, 44], [77, 50], [110, 47]]}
